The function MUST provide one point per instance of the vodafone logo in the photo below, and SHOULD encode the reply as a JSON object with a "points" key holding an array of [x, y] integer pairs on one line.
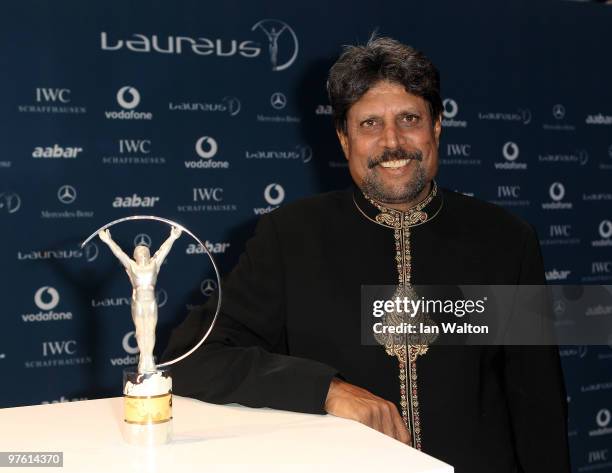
{"points": [[274, 194], [129, 344], [128, 97], [206, 147], [510, 151], [450, 108], [46, 298], [557, 191]]}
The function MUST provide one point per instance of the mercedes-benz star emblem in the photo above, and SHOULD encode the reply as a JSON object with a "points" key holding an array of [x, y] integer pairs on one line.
{"points": [[278, 100], [66, 194]]}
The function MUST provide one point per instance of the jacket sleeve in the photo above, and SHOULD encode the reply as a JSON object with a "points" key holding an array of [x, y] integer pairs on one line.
{"points": [[245, 359], [535, 388]]}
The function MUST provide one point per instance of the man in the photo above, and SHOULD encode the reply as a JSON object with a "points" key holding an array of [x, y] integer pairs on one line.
{"points": [[289, 334]]}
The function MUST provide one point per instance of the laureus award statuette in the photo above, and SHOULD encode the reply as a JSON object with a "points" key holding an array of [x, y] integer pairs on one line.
{"points": [[147, 390]]}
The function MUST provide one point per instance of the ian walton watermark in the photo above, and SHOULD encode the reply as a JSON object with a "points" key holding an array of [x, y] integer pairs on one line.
{"points": [[487, 315]]}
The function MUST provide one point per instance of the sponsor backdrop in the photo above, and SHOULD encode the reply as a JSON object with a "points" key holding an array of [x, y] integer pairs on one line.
{"points": [[211, 114]]}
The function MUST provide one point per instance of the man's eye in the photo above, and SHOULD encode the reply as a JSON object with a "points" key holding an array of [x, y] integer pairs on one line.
{"points": [[409, 118], [369, 122]]}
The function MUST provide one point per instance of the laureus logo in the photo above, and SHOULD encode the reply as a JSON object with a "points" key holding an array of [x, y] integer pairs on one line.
{"points": [[128, 97], [46, 298], [283, 45], [9, 202]]}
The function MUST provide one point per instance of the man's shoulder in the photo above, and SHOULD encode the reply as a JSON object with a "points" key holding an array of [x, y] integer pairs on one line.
{"points": [[315, 206], [482, 215]]}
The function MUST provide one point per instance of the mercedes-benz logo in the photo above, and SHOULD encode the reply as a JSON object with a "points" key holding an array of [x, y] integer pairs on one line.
{"points": [[558, 111], [559, 307], [450, 108], [9, 202], [208, 287], [67, 194], [278, 100], [142, 239]]}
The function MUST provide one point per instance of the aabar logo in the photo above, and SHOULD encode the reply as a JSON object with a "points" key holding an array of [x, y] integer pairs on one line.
{"points": [[46, 298], [214, 248], [56, 152], [135, 201]]}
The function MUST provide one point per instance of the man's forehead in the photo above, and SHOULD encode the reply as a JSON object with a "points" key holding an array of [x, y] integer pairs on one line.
{"points": [[387, 97]]}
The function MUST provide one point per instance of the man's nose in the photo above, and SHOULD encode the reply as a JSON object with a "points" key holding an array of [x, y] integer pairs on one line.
{"points": [[391, 137]]}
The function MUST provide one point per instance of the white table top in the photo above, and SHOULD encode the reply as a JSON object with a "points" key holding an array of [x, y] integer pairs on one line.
{"points": [[207, 438]]}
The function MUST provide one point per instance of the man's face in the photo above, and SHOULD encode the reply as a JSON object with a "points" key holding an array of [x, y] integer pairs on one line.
{"points": [[391, 144]]}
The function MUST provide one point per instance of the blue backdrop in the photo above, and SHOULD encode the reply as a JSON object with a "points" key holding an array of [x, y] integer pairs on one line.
{"points": [[213, 113]]}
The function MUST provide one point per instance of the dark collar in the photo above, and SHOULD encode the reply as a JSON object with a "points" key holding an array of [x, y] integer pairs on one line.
{"points": [[421, 213]]}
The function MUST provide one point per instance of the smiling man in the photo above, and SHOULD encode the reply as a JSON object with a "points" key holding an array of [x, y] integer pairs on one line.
{"points": [[289, 333]]}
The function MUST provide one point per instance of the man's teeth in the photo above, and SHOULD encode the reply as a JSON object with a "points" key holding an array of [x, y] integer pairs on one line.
{"points": [[395, 164]]}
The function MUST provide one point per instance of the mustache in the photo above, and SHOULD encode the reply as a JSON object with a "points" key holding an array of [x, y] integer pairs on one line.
{"points": [[394, 155]]}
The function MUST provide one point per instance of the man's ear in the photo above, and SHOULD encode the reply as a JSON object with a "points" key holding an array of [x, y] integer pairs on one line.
{"points": [[343, 138], [438, 129]]}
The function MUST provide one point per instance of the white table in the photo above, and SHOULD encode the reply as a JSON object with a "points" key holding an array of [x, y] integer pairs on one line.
{"points": [[207, 438]]}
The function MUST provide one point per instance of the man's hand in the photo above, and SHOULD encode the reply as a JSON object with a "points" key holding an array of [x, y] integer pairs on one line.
{"points": [[105, 235], [352, 402], [175, 232]]}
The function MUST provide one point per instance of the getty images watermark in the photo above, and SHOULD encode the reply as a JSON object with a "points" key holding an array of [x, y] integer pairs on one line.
{"points": [[487, 315]]}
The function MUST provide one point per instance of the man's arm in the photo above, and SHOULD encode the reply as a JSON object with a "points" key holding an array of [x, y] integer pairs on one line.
{"points": [[535, 389], [125, 260], [244, 360], [164, 249]]}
